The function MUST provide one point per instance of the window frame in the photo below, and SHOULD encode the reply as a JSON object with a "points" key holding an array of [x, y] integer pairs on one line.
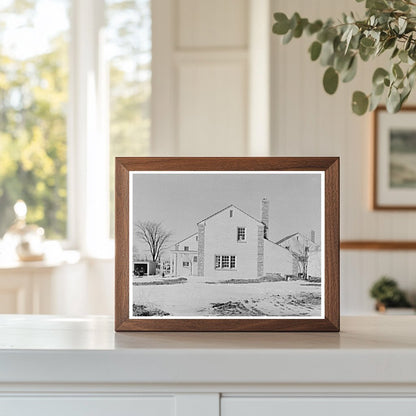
{"points": [[87, 132], [241, 240], [221, 266]]}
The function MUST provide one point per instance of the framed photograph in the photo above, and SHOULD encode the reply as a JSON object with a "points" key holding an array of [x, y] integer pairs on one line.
{"points": [[227, 244], [394, 159]]}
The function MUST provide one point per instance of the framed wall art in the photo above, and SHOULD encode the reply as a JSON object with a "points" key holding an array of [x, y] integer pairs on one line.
{"points": [[227, 244], [394, 178]]}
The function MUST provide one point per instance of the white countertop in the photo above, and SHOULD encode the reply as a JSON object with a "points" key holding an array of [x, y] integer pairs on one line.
{"points": [[53, 349]]}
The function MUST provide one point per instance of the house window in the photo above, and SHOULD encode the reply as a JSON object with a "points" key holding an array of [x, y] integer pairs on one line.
{"points": [[186, 248], [232, 262], [218, 262], [195, 259], [185, 264], [225, 262], [71, 100], [241, 234], [231, 213]]}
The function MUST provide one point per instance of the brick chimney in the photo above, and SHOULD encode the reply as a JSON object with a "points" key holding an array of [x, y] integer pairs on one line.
{"points": [[265, 215]]}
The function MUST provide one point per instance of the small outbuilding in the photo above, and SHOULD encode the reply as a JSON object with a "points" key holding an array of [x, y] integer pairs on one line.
{"points": [[144, 268]]}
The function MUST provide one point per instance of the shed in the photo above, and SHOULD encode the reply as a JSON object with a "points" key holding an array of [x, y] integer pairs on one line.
{"points": [[144, 268]]}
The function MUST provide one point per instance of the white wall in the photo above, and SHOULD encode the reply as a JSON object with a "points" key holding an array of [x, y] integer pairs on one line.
{"points": [[307, 122], [221, 239]]}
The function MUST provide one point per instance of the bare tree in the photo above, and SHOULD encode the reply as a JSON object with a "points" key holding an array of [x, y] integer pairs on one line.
{"points": [[155, 236]]}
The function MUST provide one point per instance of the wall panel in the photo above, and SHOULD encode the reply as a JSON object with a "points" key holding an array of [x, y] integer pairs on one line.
{"points": [[200, 77], [212, 108], [212, 24]]}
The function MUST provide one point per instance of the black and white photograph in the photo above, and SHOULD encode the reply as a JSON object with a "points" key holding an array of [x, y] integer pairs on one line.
{"points": [[226, 244]]}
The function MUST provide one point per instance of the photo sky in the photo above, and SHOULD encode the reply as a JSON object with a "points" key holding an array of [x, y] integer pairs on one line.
{"points": [[179, 201]]}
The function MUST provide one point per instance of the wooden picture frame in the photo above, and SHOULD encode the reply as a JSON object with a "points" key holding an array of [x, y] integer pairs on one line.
{"points": [[394, 185], [134, 175]]}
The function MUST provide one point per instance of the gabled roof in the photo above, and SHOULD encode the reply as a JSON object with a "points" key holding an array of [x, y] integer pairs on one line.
{"points": [[228, 207], [293, 235], [184, 239], [286, 238]]}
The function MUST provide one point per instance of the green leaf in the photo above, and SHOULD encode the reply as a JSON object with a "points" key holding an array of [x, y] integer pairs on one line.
{"points": [[412, 52], [366, 53], [359, 103], [403, 96], [403, 56], [281, 27], [400, 5], [389, 43], [412, 70], [355, 41], [378, 89], [298, 30], [395, 52], [314, 27], [393, 101], [408, 42], [374, 101], [402, 24], [330, 80], [288, 37], [327, 53], [367, 42], [376, 4], [294, 20], [397, 71], [322, 36], [379, 75], [348, 34], [411, 76], [315, 50], [351, 71]]}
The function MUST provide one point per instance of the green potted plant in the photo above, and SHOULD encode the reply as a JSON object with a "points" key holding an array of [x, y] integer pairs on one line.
{"points": [[389, 27], [387, 294]]}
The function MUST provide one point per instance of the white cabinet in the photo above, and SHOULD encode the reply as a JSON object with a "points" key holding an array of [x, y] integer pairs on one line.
{"points": [[79, 366], [271, 406], [88, 406]]}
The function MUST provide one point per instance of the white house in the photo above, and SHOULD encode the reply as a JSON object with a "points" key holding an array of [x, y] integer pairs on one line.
{"points": [[231, 243], [184, 257]]}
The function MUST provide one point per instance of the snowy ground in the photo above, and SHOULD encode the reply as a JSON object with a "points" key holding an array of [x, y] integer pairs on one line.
{"points": [[200, 296]]}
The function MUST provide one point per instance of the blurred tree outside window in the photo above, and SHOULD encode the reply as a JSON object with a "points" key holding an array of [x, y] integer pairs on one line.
{"points": [[34, 93], [33, 102]]}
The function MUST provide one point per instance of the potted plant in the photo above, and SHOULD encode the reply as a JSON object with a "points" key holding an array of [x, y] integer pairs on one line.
{"points": [[387, 294], [389, 27]]}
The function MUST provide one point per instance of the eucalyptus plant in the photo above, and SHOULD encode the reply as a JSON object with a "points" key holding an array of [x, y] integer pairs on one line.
{"points": [[389, 27]]}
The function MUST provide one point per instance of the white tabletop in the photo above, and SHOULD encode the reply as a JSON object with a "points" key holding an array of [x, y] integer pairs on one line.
{"points": [[376, 349]]}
